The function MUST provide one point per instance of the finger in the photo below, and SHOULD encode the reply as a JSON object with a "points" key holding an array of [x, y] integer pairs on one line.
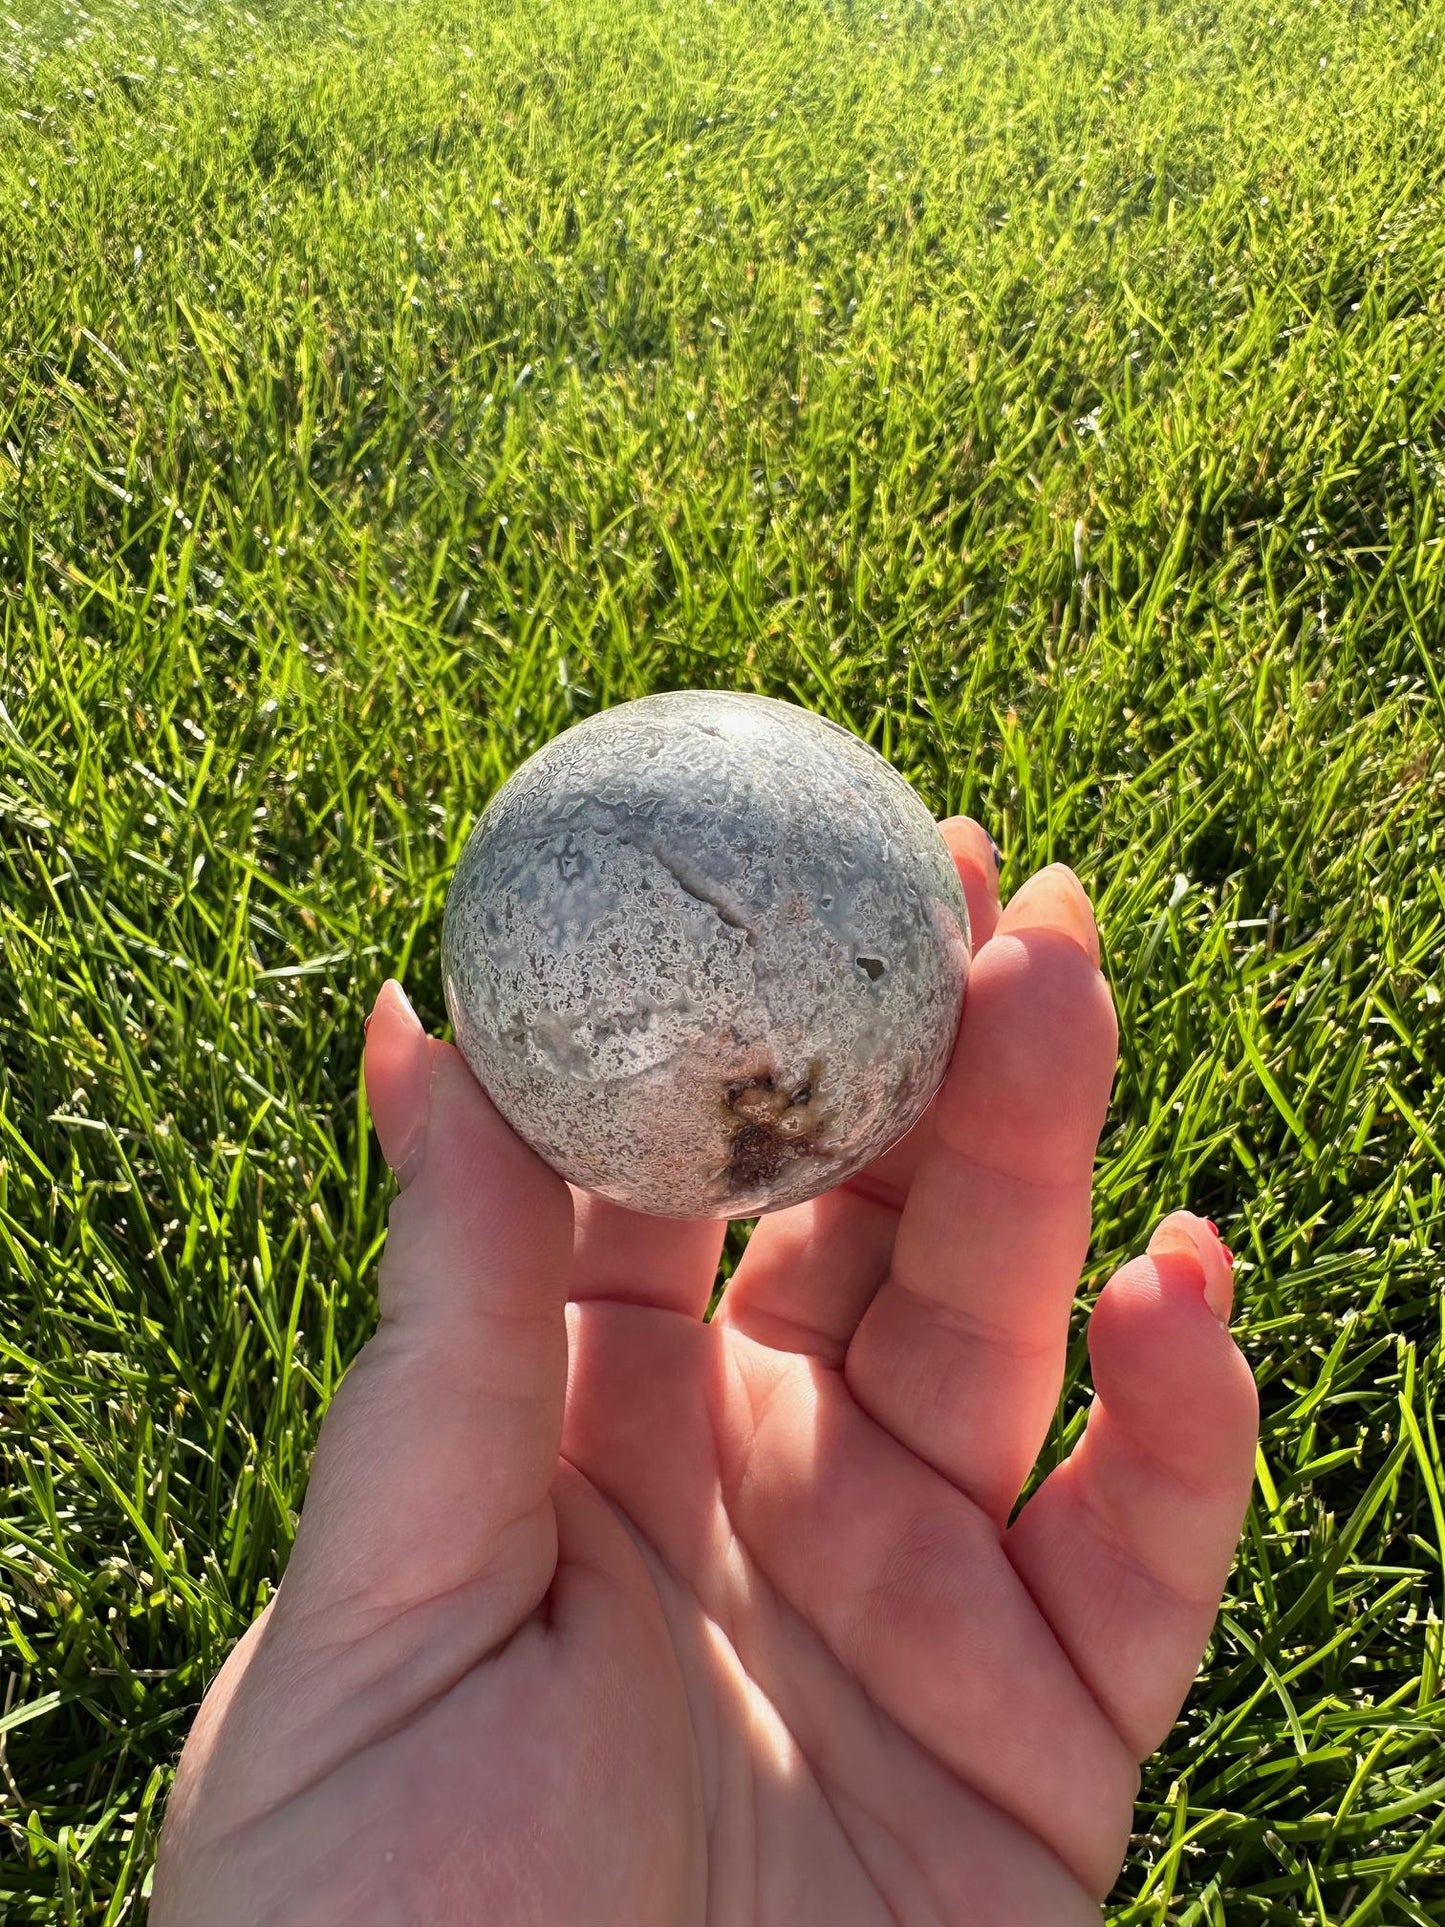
{"points": [[810, 1272], [961, 1352], [978, 860], [636, 1259], [1127, 1545], [435, 1462]]}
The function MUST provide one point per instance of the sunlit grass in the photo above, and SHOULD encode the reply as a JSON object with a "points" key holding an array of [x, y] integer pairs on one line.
{"points": [[1055, 394]]}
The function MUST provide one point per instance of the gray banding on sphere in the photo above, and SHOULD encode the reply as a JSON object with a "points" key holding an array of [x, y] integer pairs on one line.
{"points": [[706, 953]]}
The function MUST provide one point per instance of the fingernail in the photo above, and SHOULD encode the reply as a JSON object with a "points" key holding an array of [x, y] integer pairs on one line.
{"points": [[366, 1026], [398, 1083], [409, 1159], [1054, 898], [997, 853], [1184, 1234]]}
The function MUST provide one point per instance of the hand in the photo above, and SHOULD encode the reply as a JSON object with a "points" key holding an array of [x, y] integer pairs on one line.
{"points": [[602, 1616]]}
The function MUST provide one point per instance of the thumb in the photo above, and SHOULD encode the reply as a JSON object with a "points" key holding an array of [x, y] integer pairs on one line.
{"points": [[435, 1463]]}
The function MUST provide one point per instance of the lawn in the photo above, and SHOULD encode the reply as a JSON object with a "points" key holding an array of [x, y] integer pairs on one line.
{"points": [[1053, 392]]}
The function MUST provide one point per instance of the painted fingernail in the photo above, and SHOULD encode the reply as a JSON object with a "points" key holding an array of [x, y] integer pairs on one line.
{"points": [[997, 854], [1212, 1226], [1227, 1252]]}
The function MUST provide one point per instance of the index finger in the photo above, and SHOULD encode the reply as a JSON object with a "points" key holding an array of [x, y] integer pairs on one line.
{"points": [[809, 1272]]}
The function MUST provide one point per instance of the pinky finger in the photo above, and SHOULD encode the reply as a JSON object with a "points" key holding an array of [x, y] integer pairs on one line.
{"points": [[1126, 1547]]}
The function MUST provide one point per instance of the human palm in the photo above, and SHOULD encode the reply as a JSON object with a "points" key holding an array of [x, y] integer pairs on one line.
{"points": [[601, 1615]]}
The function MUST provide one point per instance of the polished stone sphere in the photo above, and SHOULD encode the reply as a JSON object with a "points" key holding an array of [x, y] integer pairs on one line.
{"points": [[706, 953]]}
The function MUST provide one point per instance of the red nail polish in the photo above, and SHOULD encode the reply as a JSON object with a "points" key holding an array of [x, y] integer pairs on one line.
{"points": [[1228, 1254], [1212, 1226]]}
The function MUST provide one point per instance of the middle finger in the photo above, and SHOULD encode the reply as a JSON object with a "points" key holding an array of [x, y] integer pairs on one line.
{"points": [[961, 1353]]}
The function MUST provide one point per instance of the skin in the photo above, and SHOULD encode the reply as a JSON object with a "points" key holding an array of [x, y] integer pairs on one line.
{"points": [[600, 1613]]}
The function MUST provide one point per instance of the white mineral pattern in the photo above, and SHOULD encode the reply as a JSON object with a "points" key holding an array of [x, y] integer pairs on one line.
{"points": [[706, 953]]}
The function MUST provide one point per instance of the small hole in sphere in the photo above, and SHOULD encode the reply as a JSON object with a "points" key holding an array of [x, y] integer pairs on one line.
{"points": [[826, 901], [872, 967]]}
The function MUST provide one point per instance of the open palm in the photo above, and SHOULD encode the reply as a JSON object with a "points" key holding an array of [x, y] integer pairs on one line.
{"points": [[602, 1615]]}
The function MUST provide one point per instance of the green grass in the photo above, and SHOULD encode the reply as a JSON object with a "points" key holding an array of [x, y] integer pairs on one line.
{"points": [[1054, 392]]}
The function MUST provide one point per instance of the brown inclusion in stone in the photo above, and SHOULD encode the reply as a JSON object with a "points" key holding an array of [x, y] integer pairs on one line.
{"points": [[774, 1126]]}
